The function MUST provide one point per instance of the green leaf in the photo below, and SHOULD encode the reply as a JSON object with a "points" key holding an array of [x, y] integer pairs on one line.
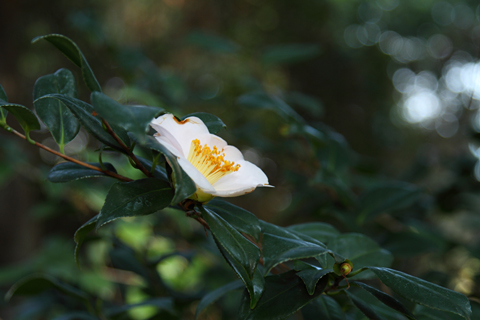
{"points": [[290, 53], [277, 249], [83, 112], [242, 250], [386, 299], [58, 119], [82, 233], [366, 310], [387, 197], [318, 230], [284, 294], [135, 119], [288, 233], [184, 186], [25, 117], [3, 112], [241, 219], [69, 171], [254, 285], [361, 251], [311, 277], [120, 312], [213, 123], [424, 313], [325, 308], [37, 283], [159, 172], [216, 294], [74, 54], [423, 292], [136, 198]]}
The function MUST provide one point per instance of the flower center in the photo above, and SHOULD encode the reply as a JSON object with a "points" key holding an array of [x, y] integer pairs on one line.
{"points": [[211, 163]]}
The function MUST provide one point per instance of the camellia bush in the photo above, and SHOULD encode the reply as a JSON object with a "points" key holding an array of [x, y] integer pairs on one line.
{"points": [[308, 268]]}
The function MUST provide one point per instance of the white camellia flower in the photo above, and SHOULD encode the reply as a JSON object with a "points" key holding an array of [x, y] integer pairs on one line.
{"points": [[217, 169]]}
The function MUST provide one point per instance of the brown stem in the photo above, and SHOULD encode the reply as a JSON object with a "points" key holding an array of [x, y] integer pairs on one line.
{"points": [[127, 149], [107, 172]]}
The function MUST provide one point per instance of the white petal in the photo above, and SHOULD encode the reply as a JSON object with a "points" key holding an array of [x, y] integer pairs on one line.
{"points": [[182, 131], [211, 141], [196, 176], [245, 180], [167, 140], [232, 154]]}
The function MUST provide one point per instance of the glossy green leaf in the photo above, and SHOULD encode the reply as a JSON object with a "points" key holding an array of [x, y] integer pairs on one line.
{"points": [[74, 54], [213, 123], [318, 230], [253, 285], [288, 233], [325, 308], [242, 250], [311, 277], [69, 171], [82, 233], [277, 249], [25, 117], [120, 312], [136, 198], [36, 284], [424, 313], [386, 299], [58, 119], [216, 294], [385, 198], [135, 119], [3, 112], [159, 172], [184, 186], [83, 112], [364, 308], [284, 294], [361, 251], [424, 292], [241, 219], [290, 53]]}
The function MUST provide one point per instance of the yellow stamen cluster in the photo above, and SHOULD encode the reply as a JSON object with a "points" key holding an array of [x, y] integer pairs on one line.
{"points": [[210, 162]]}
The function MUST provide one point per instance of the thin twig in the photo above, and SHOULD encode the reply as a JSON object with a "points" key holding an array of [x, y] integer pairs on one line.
{"points": [[127, 149], [107, 172]]}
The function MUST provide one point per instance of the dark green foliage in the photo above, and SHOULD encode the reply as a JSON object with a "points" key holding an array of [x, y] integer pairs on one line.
{"points": [[283, 295], [423, 292], [67, 171], [136, 198], [73, 53], [58, 119], [24, 116]]}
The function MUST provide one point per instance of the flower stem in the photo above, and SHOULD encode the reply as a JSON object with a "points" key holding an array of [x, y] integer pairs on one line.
{"points": [[107, 172], [127, 149]]}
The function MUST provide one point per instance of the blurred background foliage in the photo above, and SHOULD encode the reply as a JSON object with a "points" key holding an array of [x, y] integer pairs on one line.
{"points": [[363, 114]]}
